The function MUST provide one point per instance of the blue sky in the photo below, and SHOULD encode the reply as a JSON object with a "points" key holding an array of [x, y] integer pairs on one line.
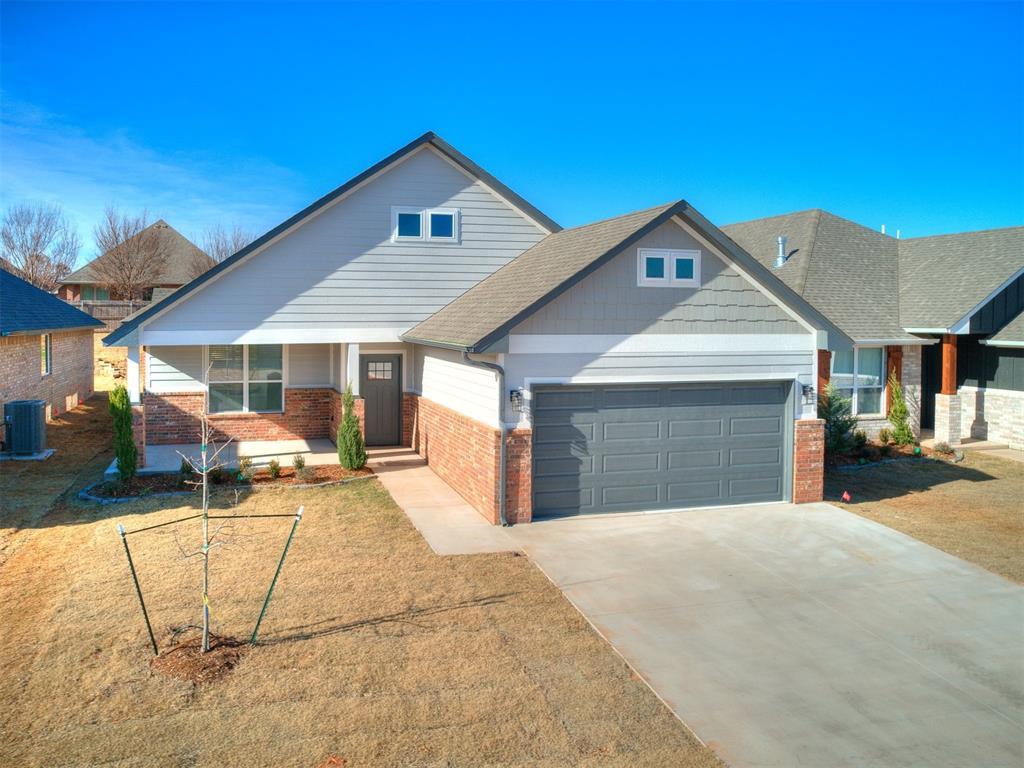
{"points": [[907, 115]]}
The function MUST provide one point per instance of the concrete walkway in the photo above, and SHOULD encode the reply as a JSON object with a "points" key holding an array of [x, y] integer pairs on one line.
{"points": [[449, 525], [803, 636]]}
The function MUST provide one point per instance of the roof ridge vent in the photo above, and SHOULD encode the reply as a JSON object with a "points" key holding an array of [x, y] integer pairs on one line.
{"points": [[782, 257]]}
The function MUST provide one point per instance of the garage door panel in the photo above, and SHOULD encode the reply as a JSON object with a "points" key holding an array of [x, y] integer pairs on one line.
{"points": [[565, 399], [658, 447]]}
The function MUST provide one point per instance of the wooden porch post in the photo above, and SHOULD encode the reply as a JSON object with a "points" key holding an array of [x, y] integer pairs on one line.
{"points": [[948, 381], [893, 369], [824, 371]]}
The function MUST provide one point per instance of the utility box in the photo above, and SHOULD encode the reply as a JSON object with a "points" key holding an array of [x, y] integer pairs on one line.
{"points": [[25, 422]]}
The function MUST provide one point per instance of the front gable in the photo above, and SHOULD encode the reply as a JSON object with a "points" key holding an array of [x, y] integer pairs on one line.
{"points": [[612, 300]]}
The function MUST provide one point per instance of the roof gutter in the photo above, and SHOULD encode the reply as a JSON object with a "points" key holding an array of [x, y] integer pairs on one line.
{"points": [[41, 331], [501, 423]]}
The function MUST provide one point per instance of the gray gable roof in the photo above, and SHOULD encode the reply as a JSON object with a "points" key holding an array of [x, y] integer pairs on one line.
{"points": [[874, 286], [429, 137], [26, 309], [485, 313], [1010, 335], [943, 278], [182, 257]]}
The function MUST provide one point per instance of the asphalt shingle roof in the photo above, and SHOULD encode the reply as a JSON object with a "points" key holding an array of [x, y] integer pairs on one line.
{"points": [[181, 254], [942, 278], [1011, 333], [527, 279], [25, 308]]}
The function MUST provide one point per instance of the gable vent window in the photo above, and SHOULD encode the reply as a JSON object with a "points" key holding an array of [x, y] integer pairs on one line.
{"points": [[431, 225], [661, 267]]}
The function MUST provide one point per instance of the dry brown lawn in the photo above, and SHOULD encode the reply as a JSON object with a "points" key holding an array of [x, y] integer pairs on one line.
{"points": [[973, 509], [374, 650]]}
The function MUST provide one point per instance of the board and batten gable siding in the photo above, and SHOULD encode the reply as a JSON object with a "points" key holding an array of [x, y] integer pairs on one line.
{"points": [[339, 270], [610, 302], [443, 377]]}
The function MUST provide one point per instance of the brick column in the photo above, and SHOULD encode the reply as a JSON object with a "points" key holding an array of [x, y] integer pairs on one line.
{"points": [[808, 461], [947, 419], [519, 476], [139, 433]]}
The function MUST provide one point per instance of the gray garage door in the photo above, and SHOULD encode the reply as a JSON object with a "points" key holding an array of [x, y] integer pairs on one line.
{"points": [[658, 446]]}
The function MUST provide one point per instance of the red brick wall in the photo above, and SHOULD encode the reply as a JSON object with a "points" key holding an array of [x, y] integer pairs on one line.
{"points": [[139, 433], [70, 381], [336, 411], [808, 461], [519, 476], [174, 418]]}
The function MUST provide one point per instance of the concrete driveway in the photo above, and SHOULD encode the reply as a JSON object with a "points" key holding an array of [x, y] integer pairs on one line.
{"points": [[803, 636]]}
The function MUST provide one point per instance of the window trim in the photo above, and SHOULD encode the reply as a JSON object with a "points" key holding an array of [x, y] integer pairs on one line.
{"points": [[670, 256], [245, 381], [425, 235], [856, 387], [45, 355]]}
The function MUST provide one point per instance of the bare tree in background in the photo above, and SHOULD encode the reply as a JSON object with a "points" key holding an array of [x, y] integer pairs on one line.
{"points": [[219, 243], [39, 243], [133, 254]]}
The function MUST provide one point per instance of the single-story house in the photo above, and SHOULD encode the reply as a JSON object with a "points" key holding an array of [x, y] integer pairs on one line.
{"points": [[45, 347], [941, 312], [644, 362]]}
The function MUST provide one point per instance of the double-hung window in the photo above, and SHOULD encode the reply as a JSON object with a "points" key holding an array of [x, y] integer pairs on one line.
{"points": [[246, 378], [859, 374], [45, 354], [668, 268], [435, 225]]}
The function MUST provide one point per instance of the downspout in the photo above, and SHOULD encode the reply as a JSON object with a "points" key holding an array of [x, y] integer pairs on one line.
{"points": [[501, 423]]}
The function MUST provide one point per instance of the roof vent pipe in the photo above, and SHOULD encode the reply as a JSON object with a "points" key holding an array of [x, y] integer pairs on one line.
{"points": [[781, 258]]}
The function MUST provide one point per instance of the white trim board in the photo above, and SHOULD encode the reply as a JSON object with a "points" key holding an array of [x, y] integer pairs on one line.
{"points": [[658, 343], [272, 336]]}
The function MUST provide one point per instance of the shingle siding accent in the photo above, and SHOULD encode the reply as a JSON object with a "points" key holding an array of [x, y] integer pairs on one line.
{"points": [[71, 378]]}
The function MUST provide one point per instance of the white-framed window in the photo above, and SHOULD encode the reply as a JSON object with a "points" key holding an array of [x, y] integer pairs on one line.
{"points": [[859, 374], [45, 354], [246, 378], [438, 225], [663, 267]]}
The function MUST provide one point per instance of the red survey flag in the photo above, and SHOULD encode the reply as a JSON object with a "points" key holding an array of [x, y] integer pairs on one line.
{"points": [[846, 496]]}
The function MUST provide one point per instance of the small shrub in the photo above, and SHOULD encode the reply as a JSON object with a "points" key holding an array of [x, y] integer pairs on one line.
{"points": [[217, 475], [124, 444], [884, 436], [902, 433], [860, 439], [185, 469], [835, 411], [305, 474], [298, 462], [885, 450], [943, 448], [245, 469], [351, 445], [275, 468]]}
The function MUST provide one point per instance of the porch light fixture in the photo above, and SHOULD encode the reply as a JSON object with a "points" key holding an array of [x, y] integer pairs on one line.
{"points": [[515, 396], [808, 393]]}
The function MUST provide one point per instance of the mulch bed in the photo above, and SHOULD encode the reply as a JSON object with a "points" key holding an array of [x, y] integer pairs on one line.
{"points": [[143, 485], [872, 453], [324, 473], [187, 662]]}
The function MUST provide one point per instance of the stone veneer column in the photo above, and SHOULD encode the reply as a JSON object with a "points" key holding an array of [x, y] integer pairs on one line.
{"points": [[947, 419], [808, 461]]}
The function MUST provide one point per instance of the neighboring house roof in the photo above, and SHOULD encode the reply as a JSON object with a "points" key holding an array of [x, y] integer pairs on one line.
{"points": [[183, 259], [159, 294], [1010, 335], [486, 312], [946, 277], [25, 309], [428, 138], [877, 287]]}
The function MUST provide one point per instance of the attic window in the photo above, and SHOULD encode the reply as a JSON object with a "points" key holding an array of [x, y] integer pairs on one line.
{"points": [[662, 267], [424, 224]]}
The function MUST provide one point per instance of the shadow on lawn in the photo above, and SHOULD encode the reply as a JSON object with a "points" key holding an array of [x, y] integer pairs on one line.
{"points": [[899, 478], [328, 627]]}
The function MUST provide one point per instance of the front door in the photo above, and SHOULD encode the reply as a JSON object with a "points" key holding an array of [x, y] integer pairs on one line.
{"points": [[931, 373], [380, 384]]}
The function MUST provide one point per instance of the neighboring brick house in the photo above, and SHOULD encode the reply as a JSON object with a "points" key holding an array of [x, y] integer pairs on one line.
{"points": [[45, 347], [941, 312], [644, 362], [86, 289]]}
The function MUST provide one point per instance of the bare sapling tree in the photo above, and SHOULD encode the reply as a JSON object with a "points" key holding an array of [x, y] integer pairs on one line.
{"points": [[219, 243], [39, 243], [134, 254], [206, 465]]}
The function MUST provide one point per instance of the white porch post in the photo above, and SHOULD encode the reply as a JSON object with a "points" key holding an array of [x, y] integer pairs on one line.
{"points": [[353, 368], [133, 376]]}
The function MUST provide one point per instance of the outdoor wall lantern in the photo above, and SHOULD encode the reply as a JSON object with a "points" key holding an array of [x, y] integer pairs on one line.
{"points": [[517, 400], [808, 392]]}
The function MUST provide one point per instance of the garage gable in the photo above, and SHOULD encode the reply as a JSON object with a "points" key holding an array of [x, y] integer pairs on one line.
{"points": [[616, 299]]}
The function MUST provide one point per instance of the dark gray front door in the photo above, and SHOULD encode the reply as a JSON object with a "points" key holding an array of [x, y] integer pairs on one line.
{"points": [[380, 384], [622, 448]]}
